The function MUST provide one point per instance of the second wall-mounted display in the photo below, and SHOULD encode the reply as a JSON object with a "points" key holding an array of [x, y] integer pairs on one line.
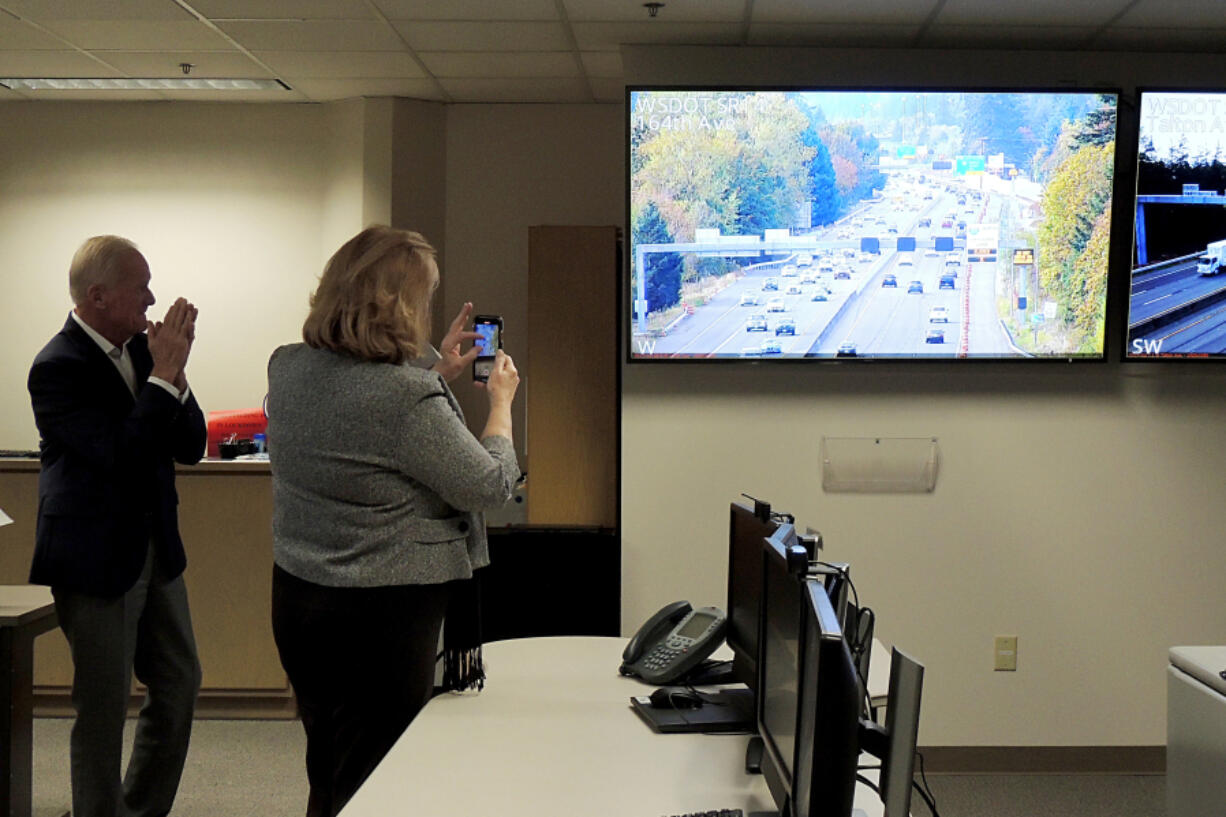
{"points": [[1177, 300]]}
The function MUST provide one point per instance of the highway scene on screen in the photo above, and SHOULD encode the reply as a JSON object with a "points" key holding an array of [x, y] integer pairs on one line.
{"points": [[1177, 306], [941, 236], [1174, 310], [834, 299]]}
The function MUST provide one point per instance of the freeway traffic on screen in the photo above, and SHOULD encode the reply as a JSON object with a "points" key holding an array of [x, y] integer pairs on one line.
{"points": [[830, 298], [1175, 311]]}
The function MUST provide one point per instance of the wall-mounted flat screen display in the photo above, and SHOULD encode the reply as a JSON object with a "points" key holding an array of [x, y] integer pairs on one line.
{"points": [[1177, 301], [820, 224]]}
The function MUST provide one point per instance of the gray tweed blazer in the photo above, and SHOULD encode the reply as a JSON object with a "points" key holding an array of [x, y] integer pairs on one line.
{"points": [[376, 479]]}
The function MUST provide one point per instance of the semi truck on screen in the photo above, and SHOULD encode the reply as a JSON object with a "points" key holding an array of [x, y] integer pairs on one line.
{"points": [[1214, 259]]}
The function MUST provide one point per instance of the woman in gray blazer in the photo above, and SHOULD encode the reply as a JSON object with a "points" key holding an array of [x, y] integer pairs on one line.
{"points": [[378, 489]]}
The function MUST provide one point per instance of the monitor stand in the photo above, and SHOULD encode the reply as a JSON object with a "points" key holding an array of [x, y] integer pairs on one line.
{"points": [[726, 711]]}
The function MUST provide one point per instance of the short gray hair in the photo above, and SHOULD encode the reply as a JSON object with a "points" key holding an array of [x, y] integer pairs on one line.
{"points": [[97, 261]]}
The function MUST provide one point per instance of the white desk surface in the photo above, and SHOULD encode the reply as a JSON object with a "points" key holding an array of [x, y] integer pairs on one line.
{"points": [[553, 733], [24, 603]]}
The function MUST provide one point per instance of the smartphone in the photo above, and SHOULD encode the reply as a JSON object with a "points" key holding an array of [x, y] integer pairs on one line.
{"points": [[489, 327]]}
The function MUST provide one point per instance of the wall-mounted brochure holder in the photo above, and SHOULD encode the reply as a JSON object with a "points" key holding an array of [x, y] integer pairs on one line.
{"points": [[879, 465]]}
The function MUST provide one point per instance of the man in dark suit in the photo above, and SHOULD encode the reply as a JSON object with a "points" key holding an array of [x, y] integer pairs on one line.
{"points": [[115, 413]]}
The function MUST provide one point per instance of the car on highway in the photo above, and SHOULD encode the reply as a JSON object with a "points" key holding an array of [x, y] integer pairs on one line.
{"points": [[804, 259], [889, 280], [947, 282], [770, 284], [822, 294], [751, 351], [809, 278], [935, 335], [756, 323], [842, 275], [794, 289], [750, 299], [925, 222], [915, 286], [775, 305], [787, 326], [906, 259], [771, 347], [938, 314], [947, 222], [892, 230], [790, 271], [846, 349]]}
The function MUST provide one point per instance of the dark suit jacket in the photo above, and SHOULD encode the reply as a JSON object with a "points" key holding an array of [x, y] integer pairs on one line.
{"points": [[107, 481]]}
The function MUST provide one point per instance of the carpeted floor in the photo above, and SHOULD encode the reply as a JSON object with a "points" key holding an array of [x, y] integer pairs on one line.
{"points": [[255, 769]]}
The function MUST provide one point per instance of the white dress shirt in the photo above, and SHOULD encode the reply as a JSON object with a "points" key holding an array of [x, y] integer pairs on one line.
{"points": [[122, 359]]}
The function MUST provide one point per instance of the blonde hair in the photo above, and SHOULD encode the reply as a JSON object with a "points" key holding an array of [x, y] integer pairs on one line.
{"points": [[97, 261], [373, 299]]}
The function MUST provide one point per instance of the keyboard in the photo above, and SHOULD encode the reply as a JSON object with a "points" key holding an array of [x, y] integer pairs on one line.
{"points": [[724, 812]]}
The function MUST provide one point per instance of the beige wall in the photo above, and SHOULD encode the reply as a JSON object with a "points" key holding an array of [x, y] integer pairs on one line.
{"points": [[1078, 507], [226, 202], [510, 167]]}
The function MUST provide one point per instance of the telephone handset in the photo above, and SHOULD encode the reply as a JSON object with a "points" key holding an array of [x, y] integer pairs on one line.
{"points": [[673, 642]]}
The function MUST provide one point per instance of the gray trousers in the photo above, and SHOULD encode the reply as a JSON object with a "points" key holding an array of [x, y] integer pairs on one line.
{"points": [[147, 630]]}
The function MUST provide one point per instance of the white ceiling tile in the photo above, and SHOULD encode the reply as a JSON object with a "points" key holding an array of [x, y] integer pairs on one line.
{"points": [[283, 9], [1154, 38], [500, 63], [516, 90], [833, 35], [312, 35], [41, 11], [51, 64], [606, 36], [18, 36], [603, 63], [608, 89], [1083, 13], [674, 11], [1033, 38], [329, 90], [340, 64], [137, 35], [469, 9], [473, 36], [205, 64], [894, 12], [1167, 14]]}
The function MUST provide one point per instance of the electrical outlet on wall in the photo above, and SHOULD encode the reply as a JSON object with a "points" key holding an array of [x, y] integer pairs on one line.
{"points": [[1006, 653]]}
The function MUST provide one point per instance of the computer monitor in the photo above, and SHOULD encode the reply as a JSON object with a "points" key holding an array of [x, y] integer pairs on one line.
{"points": [[747, 528], [895, 744], [779, 683], [809, 692]]}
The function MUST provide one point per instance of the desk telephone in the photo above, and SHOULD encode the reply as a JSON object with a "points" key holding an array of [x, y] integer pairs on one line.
{"points": [[673, 642]]}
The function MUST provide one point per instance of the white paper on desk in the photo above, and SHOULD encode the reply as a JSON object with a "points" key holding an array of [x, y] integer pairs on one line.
{"points": [[5, 519]]}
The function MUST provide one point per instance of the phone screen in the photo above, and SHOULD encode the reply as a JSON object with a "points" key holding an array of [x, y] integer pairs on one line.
{"points": [[488, 343], [490, 330]]}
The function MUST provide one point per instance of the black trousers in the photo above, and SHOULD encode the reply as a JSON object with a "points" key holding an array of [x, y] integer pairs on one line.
{"points": [[361, 661]]}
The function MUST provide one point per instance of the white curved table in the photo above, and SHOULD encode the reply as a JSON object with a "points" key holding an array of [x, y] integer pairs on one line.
{"points": [[553, 733]]}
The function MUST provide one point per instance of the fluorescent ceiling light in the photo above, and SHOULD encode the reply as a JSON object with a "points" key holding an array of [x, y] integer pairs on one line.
{"points": [[152, 84]]}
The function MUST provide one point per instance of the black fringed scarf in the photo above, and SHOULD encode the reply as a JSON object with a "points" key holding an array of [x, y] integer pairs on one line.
{"points": [[462, 667]]}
